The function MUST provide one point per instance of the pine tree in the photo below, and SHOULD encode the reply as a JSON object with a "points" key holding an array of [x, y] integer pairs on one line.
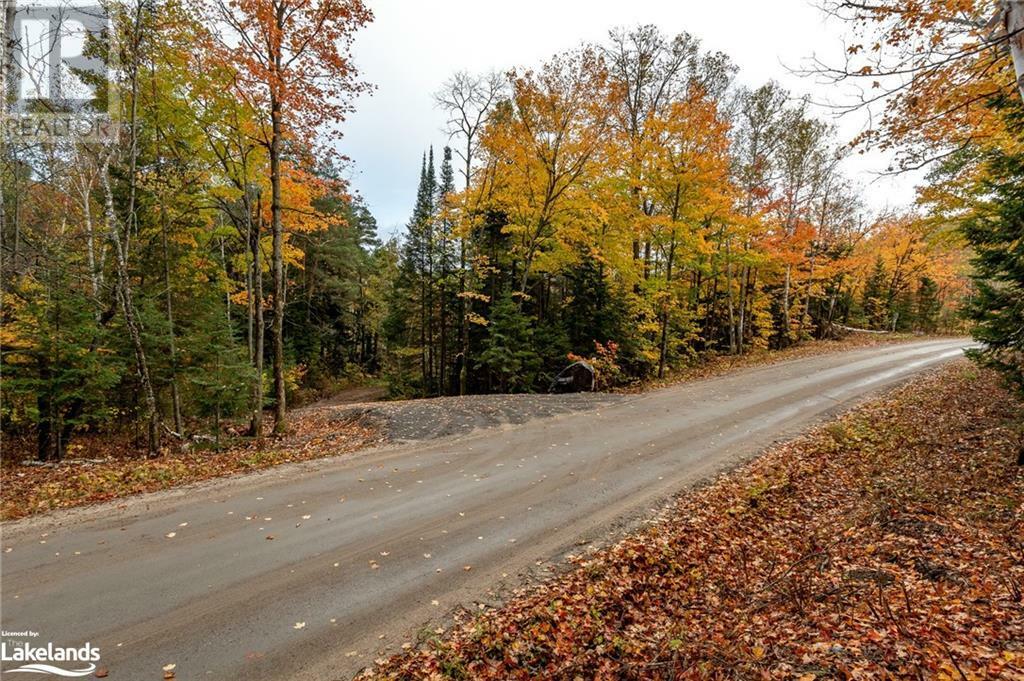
{"points": [[445, 271], [331, 321], [424, 218], [874, 302], [409, 327], [217, 367], [508, 349], [446, 189], [927, 305], [56, 363], [399, 327], [590, 315], [996, 233]]}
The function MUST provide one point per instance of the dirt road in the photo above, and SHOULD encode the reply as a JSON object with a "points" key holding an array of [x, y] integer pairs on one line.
{"points": [[307, 572]]}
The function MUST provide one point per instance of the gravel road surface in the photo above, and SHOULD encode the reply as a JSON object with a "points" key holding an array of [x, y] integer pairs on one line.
{"points": [[309, 571]]}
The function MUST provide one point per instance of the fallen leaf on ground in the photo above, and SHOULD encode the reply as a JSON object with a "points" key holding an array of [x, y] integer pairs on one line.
{"points": [[883, 544]]}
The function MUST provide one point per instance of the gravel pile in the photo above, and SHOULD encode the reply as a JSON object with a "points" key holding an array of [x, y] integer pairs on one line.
{"points": [[413, 420]]}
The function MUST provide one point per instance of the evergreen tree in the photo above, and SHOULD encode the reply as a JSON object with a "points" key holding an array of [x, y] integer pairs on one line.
{"points": [[446, 271], [588, 315], [57, 372], [445, 192], [552, 346], [332, 320], [216, 367], [410, 324], [902, 312], [996, 233], [508, 349], [928, 306], [401, 361], [874, 302]]}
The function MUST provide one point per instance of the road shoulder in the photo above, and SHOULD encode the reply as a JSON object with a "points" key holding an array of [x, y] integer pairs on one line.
{"points": [[863, 547]]}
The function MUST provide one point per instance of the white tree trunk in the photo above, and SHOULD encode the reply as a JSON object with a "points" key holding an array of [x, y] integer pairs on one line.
{"points": [[131, 321], [1013, 21]]}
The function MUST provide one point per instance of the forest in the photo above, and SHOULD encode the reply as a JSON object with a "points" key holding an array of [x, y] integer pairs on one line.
{"points": [[629, 203]]}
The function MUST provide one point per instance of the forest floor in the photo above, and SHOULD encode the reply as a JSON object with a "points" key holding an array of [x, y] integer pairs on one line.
{"points": [[101, 468], [887, 543]]}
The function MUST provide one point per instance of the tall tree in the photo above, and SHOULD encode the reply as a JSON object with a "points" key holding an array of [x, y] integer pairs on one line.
{"points": [[445, 207], [545, 142], [469, 102], [875, 298], [928, 305], [295, 70], [648, 74], [995, 230], [138, 29]]}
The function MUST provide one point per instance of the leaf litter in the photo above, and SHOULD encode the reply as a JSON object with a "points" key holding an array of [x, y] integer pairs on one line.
{"points": [[884, 544]]}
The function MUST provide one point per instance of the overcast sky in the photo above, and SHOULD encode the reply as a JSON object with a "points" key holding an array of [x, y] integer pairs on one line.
{"points": [[413, 46]]}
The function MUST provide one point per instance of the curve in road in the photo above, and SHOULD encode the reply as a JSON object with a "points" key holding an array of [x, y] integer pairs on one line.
{"points": [[308, 572]]}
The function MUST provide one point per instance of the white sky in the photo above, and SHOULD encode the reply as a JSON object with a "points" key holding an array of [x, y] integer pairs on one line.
{"points": [[414, 45]]}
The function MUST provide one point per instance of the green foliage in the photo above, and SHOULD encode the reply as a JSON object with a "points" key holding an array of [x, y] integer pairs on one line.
{"points": [[928, 306], [337, 309], [996, 233], [152, 279], [592, 313], [552, 347], [215, 366], [508, 351], [875, 299], [56, 362]]}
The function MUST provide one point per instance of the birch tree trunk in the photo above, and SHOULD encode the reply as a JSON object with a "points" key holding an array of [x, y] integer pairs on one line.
{"points": [[124, 297], [805, 314], [663, 343], [464, 303], [1013, 20], [742, 315], [90, 241], [465, 300], [728, 293]]}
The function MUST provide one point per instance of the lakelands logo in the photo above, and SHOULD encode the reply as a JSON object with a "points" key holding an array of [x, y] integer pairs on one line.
{"points": [[39, 659]]}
